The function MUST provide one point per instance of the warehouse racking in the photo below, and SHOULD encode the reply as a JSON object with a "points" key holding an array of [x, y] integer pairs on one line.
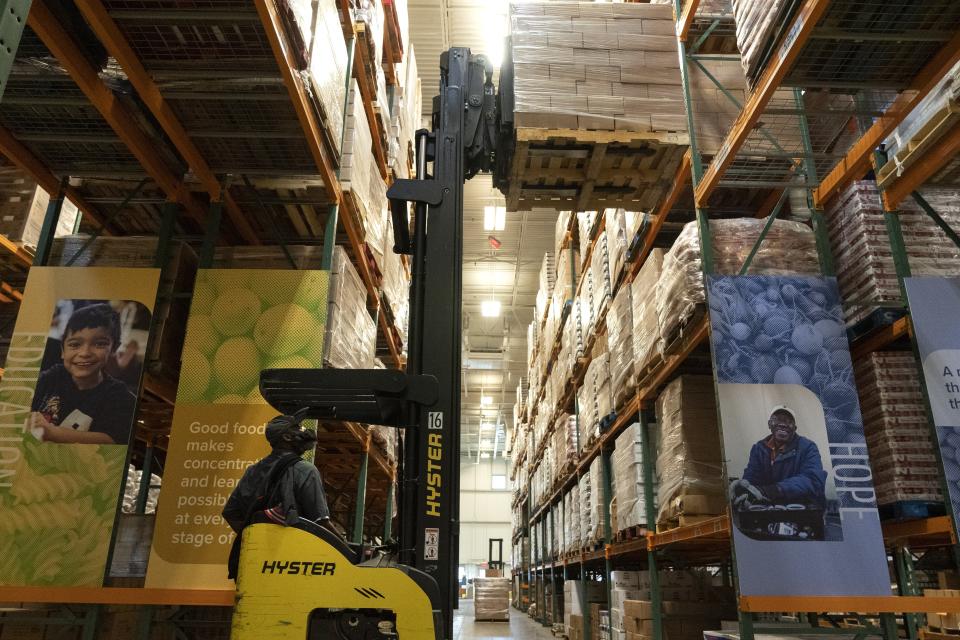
{"points": [[215, 92], [775, 144]]}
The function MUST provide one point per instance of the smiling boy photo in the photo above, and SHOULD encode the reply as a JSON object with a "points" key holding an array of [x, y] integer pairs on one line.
{"points": [[76, 400]]}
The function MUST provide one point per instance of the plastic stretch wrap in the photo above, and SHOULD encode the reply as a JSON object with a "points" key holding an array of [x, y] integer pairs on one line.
{"points": [[318, 44], [602, 390], [586, 416], [902, 453], [548, 271], [585, 497], [596, 66], [560, 230], [585, 303], [23, 208], [620, 344], [789, 248], [585, 224], [628, 481], [601, 285], [861, 246], [689, 464], [758, 22], [575, 518], [360, 177], [598, 503], [531, 343], [563, 366], [396, 286], [351, 334], [647, 342], [386, 439], [618, 238], [131, 491], [947, 90], [563, 287], [555, 524], [491, 598]]}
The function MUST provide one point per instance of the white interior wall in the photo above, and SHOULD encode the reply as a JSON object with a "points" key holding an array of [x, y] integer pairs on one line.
{"points": [[484, 513]]}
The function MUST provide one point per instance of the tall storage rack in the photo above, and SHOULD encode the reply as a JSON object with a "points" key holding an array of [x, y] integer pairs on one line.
{"points": [[885, 88], [170, 159]]}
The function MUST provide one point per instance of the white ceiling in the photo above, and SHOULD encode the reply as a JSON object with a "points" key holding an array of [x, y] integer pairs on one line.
{"points": [[495, 351]]}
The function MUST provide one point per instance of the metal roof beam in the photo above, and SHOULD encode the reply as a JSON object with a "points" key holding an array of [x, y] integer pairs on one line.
{"points": [[111, 36]]}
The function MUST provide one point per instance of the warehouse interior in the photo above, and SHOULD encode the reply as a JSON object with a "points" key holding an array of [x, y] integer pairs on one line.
{"points": [[452, 319]]}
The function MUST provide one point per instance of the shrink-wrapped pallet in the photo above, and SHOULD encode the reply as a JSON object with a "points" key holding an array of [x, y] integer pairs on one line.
{"points": [[586, 495], [621, 348], [491, 599], [863, 256], [945, 93], [561, 233], [321, 52], [895, 422], [548, 270], [689, 464], [629, 486], [576, 526], [759, 24], [598, 504], [601, 285], [360, 178], [621, 226], [586, 221], [789, 248], [351, 334], [647, 342]]}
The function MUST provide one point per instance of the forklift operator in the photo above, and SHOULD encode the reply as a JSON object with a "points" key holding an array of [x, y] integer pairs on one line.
{"points": [[280, 488]]}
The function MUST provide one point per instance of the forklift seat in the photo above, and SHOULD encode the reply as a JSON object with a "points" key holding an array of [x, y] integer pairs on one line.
{"points": [[352, 555]]}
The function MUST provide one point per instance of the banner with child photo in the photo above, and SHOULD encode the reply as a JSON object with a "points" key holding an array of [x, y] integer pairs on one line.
{"points": [[67, 402]]}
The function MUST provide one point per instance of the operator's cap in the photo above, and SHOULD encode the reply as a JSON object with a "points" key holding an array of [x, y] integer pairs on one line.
{"points": [[283, 425], [784, 409]]}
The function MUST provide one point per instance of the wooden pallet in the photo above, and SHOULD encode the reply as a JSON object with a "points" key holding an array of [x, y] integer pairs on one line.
{"points": [[631, 533], [935, 128], [936, 633], [584, 170], [681, 521], [677, 338]]}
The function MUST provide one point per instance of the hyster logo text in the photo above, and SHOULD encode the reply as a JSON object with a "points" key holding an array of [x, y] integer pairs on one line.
{"points": [[304, 568], [434, 459]]}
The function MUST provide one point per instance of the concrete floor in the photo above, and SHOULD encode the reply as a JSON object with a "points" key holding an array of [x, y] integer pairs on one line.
{"points": [[521, 626]]}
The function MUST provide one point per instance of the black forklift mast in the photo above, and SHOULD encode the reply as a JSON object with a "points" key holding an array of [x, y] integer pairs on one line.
{"points": [[425, 401]]}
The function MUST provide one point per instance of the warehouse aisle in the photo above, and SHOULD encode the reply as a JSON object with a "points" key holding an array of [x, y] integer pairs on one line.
{"points": [[520, 627]]}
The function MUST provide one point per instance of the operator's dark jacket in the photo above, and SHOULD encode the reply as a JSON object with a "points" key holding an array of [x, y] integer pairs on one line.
{"points": [[300, 486], [796, 472]]}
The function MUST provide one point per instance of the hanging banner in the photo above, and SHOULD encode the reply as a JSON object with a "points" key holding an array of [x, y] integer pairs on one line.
{"points": [[241, 322], [68, 396], [934, 310], [802, 504]]}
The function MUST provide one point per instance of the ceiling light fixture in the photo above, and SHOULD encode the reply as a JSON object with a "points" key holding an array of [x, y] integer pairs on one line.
{"points": [[486, 401], [490, 308], [494, 218]]}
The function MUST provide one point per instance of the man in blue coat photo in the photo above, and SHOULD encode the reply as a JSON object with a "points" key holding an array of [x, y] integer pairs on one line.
{"points": [[784, 468]]}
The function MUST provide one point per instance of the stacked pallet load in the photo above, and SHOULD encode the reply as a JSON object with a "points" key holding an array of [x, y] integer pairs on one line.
{"points": [[491, 599], [396, 289], [688, 595], [902, 454], [23, 207], [316, 35], [862, 252], [586, 498], [368, 16], [934, 117], [629, 492], [548, 276], [789, 248], [689, 464], [621, 347], [578, 595], [647, 344], [682, 620], [363, 186], [604, 76], [759, 25], [406, 107], [594, 399], [351, 334]]}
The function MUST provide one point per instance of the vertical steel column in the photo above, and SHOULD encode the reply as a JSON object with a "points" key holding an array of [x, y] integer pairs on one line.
{"points": [[646, 458], [13, 18], [91, 619], [607, 480], [907, 585], [361, 493], [210, 235], [817, 220], [143, 491], [388, 522], [49, 229]]}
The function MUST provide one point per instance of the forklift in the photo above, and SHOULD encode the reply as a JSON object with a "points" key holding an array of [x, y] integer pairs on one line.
{"points": [[303, 581]]}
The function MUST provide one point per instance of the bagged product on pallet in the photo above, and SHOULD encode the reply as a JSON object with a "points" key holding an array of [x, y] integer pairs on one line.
{"points": [[601, 286], [318, 45], [620, 345], [863, 256], [629, 487], [548, 270], [598, 504], [895, 422], [351, 334], [789, 248], [647, 343], [586, 222], [759, 26], [361, 180], [689, 463], [586, 491], [491, 599]]}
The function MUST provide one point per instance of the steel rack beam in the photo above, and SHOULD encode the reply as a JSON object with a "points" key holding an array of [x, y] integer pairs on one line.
{"points": [[777, 69], [26, 161], [858, 160], [118, 595], [64, 48], [686, 19], [863, 604], [111, 36]]}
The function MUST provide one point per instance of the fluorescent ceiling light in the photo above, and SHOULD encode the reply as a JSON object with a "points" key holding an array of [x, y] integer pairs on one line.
{"points": [[486, 401], [494, 218], [490, 308]]}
